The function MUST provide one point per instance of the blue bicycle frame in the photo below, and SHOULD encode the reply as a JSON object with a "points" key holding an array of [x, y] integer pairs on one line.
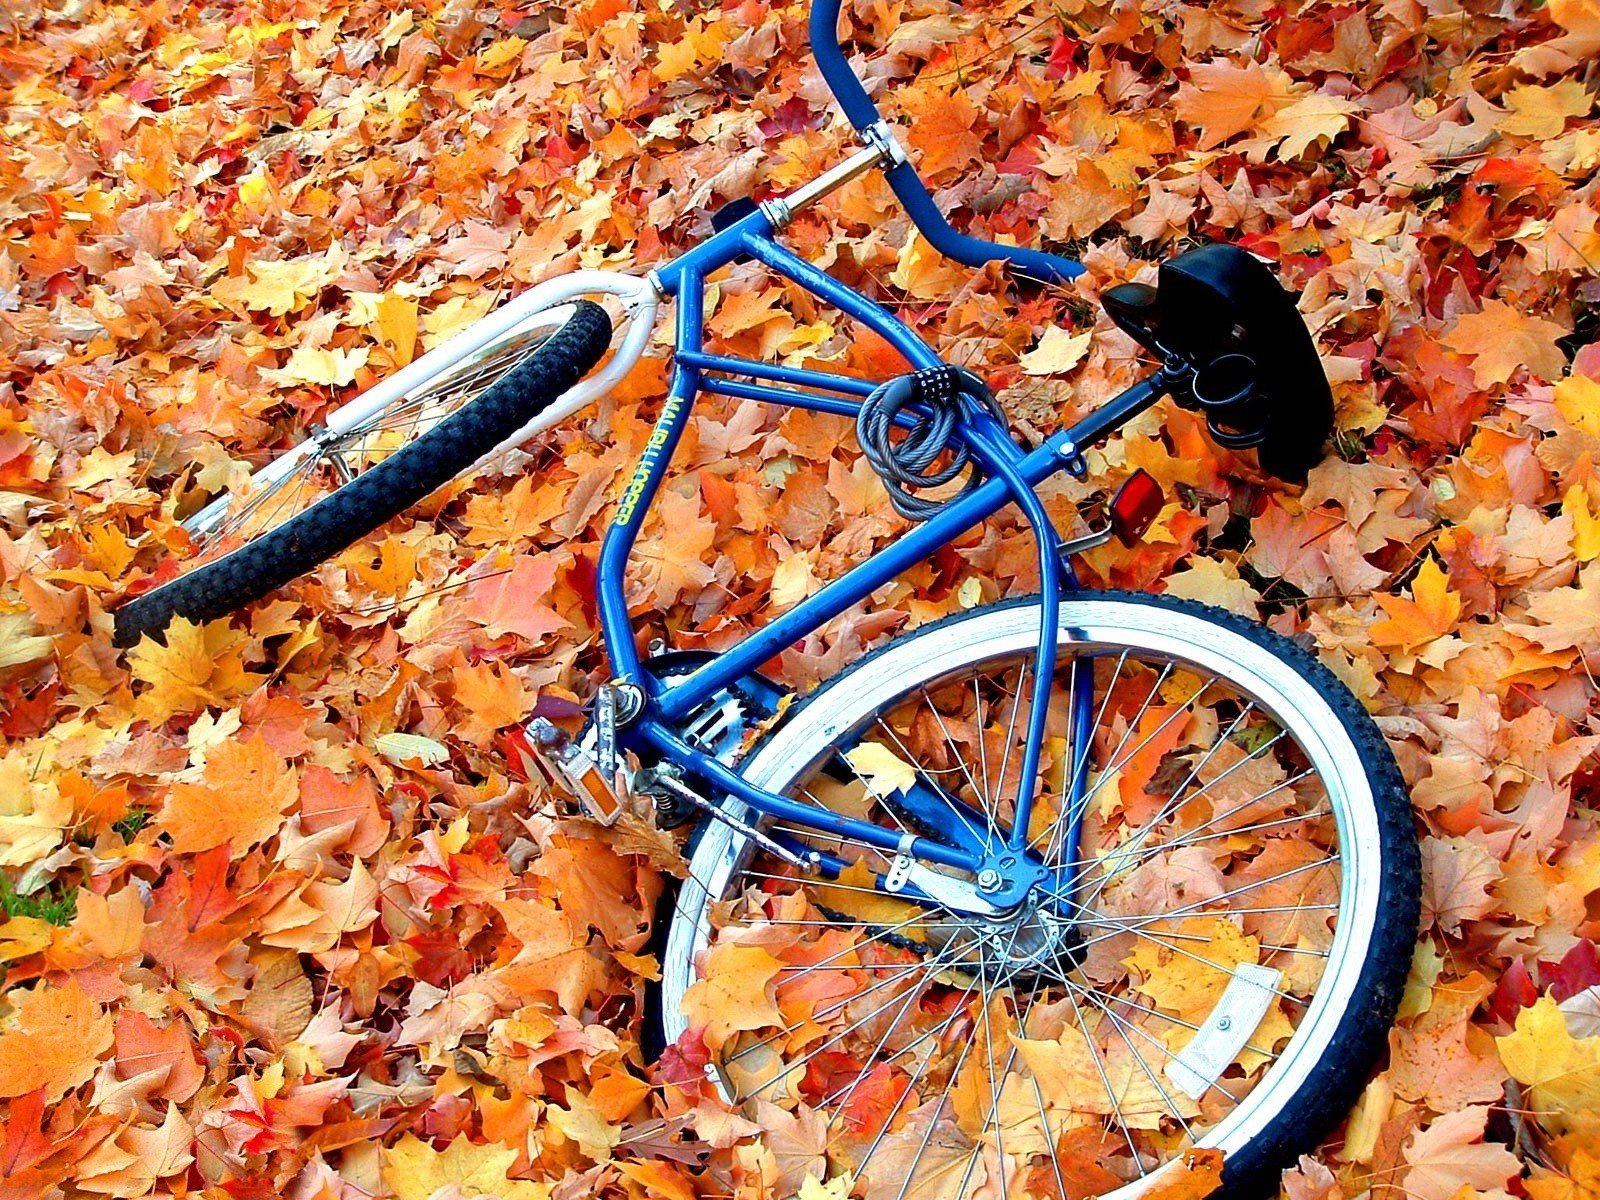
{"points": [[1013, 474], [1012, 477]]}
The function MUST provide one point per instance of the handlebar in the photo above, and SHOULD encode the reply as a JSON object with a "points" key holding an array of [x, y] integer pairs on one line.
{"points": [[903, 179]]}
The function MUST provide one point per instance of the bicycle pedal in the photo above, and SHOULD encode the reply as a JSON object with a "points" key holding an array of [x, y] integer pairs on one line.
{"points": [[566, 765]]}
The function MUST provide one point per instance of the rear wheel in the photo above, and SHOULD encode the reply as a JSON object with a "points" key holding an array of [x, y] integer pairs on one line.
{"points": [[1211, 993], [341, 484]]}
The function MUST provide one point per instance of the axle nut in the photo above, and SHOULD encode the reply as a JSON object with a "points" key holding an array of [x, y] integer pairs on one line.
{"points": [[989, 880]]}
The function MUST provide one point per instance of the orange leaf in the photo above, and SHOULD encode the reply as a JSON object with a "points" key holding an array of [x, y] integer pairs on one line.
{"points": [[1431, 613], [55, 1040], [246, 791]]}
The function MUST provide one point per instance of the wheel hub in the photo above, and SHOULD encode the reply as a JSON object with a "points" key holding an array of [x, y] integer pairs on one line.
{"points": [[1027, 942]]}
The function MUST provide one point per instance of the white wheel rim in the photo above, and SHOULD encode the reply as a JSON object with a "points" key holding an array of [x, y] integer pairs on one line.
{"points": [[1282, 692]]}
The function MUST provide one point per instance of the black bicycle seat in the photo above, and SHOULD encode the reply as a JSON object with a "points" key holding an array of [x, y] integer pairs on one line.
{"points": [[1257, 374]]}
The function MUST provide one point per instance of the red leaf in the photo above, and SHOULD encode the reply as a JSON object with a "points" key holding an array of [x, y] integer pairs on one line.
{"points": [[1514, 992], [1579, 968]]}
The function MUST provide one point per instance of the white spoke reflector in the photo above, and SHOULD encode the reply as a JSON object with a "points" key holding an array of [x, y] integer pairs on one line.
{"points": [[1196, 1068]]}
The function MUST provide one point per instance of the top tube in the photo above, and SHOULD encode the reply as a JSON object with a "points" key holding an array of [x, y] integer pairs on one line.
{"points": [[904, 180]]}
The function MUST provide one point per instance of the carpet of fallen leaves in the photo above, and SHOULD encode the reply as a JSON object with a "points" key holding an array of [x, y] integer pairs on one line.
{"points": [[278, 923]]}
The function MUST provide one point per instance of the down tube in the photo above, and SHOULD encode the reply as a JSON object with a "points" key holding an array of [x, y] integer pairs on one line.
{"points": [[615, 625]]}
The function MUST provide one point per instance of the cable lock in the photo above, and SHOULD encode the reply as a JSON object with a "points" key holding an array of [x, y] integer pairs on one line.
{"points": [[906, 465]]}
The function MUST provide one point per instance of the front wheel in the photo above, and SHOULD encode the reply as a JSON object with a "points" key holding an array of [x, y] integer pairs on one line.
{"points": [[339, 485], [1207, 996]]}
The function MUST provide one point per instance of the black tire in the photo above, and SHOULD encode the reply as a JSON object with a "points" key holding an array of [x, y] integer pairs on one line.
{"points": [[377, 495], [1361, 1036]]}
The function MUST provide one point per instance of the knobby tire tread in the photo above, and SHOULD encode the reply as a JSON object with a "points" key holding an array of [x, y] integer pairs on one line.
{"points": [[354, 510]]}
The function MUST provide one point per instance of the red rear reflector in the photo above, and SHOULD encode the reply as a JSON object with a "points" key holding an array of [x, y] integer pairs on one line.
{"points": [[1137, 503]]}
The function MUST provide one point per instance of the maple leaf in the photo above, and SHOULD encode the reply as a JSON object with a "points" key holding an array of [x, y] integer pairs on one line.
{"points": [[516, 601], [414, 1170], [1561, 1072], [1450, 1155], [1567, 618], [1580, 1180], [583, 1123], [1503, 338], [1431, 613], [245, 791], [1223, 99], [282, 287], [199, 666], [881, 769], [1542, 112], [53, 1041], [1058, 351], [321, 367], [19, 643], [735, 993], [1457, 874], [34, 818]]}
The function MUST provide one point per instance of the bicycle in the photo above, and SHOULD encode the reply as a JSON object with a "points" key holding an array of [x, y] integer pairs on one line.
{"points": [[1101, 884]]}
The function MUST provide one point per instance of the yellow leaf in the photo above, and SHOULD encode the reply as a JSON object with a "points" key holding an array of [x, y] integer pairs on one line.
{"points": [[1057, 353], [34, 815], [403, 749], [283, 287], [396, 321], [881, 769], [199, 666], [1561, 1072], [736, 993], [414, 1170], [793, 580], [1578, 400], [246, 788], [19, 643], [1309, 120], [54, 1041], [1585, 522], [22, 936], [837, 1188], [1183, 984], [1542, 112], [320, 367], [583, 1123]]}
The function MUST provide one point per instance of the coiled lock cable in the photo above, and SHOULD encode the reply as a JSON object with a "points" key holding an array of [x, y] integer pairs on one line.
{"points": [[906, 465]]}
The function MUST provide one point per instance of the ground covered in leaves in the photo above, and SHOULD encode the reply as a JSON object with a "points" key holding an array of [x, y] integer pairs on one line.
{"points": [[277, 920]]}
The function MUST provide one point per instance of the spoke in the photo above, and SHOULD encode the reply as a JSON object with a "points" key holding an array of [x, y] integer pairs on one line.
{"points": [[1215, 966], [1244, 804], [235, 521], [960, 760], [1011, 739], [1105, 1082], [1156, 1012], [931, 967], [922, 1069], [983, 745], [1239, 891], [1122, 1027], [952, 803], [1179, 799]]}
